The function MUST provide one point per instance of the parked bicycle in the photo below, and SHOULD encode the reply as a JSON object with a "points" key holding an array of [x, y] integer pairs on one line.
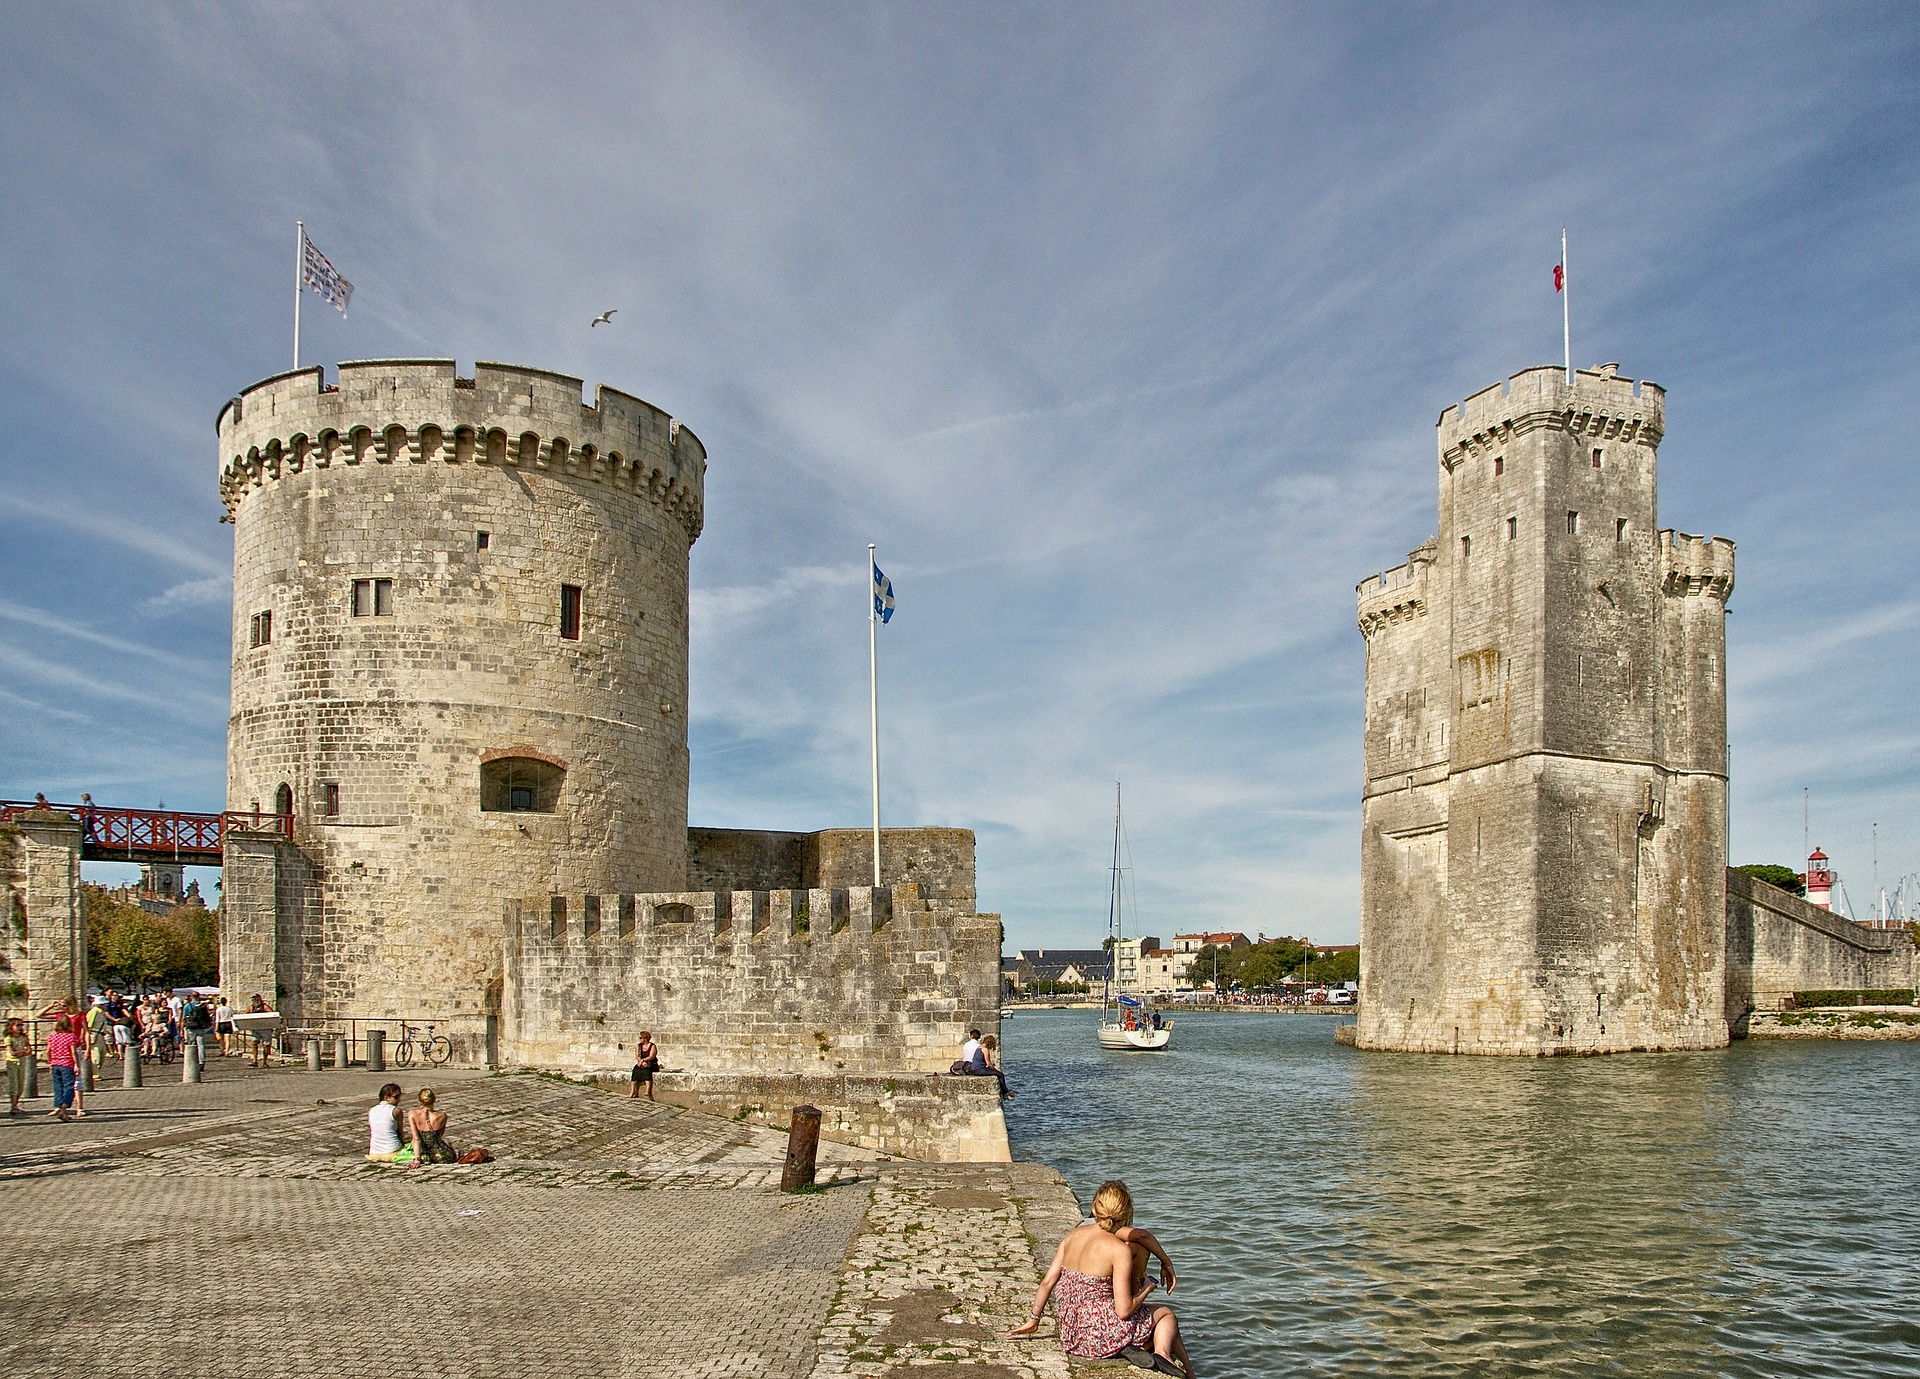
{"points": [[436, 1049]]}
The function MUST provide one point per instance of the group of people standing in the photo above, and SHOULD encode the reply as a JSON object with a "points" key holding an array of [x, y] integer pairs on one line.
{"points": [[113, 1025]]}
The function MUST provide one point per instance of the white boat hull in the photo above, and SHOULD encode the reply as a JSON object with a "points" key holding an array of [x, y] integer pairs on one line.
{"points": [[1135, 1040]]}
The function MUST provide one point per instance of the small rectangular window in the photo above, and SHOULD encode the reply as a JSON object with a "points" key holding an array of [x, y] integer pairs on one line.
{"points": [[1512, 527], [1619, 529], [373, 598], [481, 539], [260, 630], [1573, 524], [330, 798], [570, 612], [1466, 547], [1596, 459], [520, 798], [1499, 465]]}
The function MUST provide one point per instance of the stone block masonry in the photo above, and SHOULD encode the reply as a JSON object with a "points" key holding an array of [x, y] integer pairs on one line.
{"points": [[1544, 835], [818, 982]]}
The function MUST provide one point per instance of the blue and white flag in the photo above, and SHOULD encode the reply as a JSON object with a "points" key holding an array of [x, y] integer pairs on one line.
{"points": [[882, 596], [318, 274]]}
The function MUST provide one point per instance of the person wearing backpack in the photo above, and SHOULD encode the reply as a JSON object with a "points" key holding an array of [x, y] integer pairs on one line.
{"points": [[198, 1021]]}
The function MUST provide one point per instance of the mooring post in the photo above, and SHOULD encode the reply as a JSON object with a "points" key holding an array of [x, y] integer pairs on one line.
{"points": [[342, 1052], [376, 1050], [803, 1145], [130, 1070], [190, 1065], [313, 1053]]}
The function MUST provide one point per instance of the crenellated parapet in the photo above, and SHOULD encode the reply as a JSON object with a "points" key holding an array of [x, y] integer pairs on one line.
{"points": [[409, 412], [1396, 596], [1695, 566], [1600, 405]]}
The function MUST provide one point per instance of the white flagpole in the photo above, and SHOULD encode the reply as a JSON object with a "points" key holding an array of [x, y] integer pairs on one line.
{"points": [[299, 245], [873, 687], [1566, 306]]}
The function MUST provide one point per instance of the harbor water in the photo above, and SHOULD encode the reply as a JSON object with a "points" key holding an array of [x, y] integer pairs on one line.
{"points": [[1752, 1211]]}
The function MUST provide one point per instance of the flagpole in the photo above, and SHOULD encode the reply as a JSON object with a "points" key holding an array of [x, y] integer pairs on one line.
{"points": [[1566, 306], [873, 688], [299, 243]]}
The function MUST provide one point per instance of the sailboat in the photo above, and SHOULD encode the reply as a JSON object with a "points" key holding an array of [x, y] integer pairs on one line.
{"points": [[1127, 1023]]}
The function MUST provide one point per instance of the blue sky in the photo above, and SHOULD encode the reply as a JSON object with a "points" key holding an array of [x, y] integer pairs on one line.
{"points": [[1121, 328]]}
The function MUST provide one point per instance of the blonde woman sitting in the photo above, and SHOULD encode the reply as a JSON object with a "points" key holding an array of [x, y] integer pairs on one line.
{"points": [[1098, 1278], [427, 1127]]}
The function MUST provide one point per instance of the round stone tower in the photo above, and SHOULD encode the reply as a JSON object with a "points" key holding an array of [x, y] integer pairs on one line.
{"points": [[460, 663]]}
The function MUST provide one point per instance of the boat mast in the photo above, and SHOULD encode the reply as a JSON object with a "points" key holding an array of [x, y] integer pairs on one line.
{"points": [[1113, 902]]}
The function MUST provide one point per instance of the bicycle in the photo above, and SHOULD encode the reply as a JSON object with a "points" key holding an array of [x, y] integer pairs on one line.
{"points": [[436, 1049]]}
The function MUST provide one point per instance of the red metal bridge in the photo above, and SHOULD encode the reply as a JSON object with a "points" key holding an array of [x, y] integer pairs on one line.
{"points": [[111, 834]]}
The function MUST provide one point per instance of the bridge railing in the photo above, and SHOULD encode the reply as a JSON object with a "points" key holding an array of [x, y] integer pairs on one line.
{"points": [[144, 834]]}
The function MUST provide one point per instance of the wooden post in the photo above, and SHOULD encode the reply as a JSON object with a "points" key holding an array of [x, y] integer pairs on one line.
{"points": [[803, 1144]]}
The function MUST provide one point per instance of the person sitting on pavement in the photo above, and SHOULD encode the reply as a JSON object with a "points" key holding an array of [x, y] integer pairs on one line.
{"points": [[383, 1126], [1103, 1314], [427, 1126]]}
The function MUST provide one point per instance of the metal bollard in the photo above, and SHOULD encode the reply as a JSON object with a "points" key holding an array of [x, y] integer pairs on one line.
{"points": [[342, 1052], [130, 1072], [313, 1054], [33, 1077], [190, 1062], [376, 1050], [83, 1067], [803, 1144]]}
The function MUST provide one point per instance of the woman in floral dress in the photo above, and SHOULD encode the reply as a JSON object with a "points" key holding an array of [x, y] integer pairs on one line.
{"points": [[1100, 1294]]}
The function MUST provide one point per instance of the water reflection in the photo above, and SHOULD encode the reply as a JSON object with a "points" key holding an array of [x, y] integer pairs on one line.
{"points": [[1745, 1212]]}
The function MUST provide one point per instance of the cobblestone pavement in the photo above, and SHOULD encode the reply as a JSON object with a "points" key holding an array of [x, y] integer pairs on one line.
{"points": [[235, 1227]]}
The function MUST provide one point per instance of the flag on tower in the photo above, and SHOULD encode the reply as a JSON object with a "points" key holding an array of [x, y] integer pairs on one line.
{"points": [[1559, 277], [882, 596], [321, 276]]}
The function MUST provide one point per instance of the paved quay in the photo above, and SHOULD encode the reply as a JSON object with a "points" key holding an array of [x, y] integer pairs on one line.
{"points": [[235, 1227]]}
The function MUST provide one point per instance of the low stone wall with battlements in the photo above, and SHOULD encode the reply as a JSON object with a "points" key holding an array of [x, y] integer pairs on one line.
{"points": [[1778, 943], [821, 981]]}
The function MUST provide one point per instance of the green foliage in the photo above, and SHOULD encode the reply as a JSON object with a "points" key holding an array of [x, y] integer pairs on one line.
{"points": [[1786, 878], [1270, 964], [1883, 996], [131, 947], [1045, 988]]}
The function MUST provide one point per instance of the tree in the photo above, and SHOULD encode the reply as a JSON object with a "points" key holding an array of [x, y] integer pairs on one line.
{"points": [[128, 945], [1786, 878]]}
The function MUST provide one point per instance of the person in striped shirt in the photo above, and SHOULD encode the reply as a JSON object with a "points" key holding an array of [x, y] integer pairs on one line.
{"points": [[64, 1049]]}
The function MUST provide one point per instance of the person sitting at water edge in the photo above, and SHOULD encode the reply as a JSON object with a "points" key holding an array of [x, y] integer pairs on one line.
{"points": [[986, 1063], [1103, 1313]]}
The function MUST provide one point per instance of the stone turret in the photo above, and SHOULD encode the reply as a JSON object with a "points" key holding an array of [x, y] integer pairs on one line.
{"points": [[1545, 800], [459, 659]]}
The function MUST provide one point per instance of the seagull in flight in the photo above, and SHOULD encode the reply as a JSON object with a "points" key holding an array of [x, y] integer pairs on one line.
{"points": [[605, 318]]}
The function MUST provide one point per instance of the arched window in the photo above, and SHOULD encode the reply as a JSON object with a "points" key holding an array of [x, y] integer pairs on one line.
{"points": [[521, 784], [283, 800]]}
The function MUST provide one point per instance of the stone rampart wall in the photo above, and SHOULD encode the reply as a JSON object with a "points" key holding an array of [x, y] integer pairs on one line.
{"points": [[821, 981], [939, 861], [928, 1116], [13, 914], [1777, 944]]}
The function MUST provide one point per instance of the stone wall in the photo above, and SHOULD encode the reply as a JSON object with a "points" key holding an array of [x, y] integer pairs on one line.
{"points": [[47, 865], [939, 861], [13, 915], [929, 1116], [1544, 801], [1778, 944], [396, 732], [748, 982]]}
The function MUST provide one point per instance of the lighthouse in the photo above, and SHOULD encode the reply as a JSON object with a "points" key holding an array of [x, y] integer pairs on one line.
{"points": [[1819, 880]]}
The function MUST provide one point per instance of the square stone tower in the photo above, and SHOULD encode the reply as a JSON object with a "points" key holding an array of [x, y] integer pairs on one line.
{"points": [[1544, 835]]}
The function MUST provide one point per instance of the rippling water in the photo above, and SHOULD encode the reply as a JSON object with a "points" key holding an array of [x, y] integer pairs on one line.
{"points": [[1748, 1212]]}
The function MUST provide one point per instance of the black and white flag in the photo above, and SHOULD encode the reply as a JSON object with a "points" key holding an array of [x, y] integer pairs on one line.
{"points": [[318, 274]]}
